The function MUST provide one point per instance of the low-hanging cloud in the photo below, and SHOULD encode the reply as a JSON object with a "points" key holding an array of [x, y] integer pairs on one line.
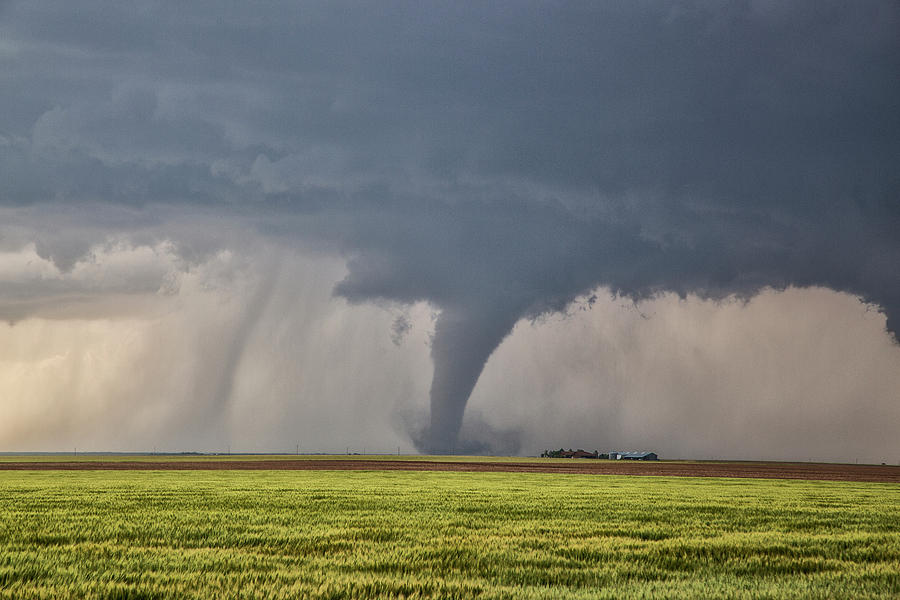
{"points": [[493, 163]]}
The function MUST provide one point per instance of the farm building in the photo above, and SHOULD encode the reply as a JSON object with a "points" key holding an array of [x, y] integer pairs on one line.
{"points": [[583, 454], [615, 455], [577, 454]]}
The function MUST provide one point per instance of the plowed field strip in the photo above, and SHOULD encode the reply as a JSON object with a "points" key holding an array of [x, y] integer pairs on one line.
{"points": [[768, 470]]}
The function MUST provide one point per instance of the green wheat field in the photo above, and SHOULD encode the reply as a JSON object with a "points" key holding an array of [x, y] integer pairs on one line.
{"points": [[367, 534]]}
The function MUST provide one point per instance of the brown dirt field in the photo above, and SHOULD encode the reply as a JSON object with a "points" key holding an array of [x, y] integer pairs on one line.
{"points": [[767, 470]]}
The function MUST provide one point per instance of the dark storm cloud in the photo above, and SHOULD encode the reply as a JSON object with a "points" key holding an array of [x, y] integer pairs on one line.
{"points": [[495, 160]]}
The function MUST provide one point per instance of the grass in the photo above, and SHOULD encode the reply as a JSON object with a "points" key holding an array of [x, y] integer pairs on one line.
{"points": [[360, 534]]}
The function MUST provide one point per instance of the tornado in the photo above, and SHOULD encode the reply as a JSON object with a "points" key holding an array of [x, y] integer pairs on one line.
{"points": [[464, 339]]}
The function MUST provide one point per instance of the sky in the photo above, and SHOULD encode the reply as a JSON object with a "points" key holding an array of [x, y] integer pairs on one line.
{"points": [[451, 227]]}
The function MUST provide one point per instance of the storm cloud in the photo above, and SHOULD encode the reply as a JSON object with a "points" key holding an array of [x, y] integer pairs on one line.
{"points": [[494, 163]]}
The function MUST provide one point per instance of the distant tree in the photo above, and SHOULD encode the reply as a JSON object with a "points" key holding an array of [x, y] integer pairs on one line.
{"points": [[552, 453]]}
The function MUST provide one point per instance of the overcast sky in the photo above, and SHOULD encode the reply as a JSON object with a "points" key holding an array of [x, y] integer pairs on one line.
{"points": [[495, 227]]}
